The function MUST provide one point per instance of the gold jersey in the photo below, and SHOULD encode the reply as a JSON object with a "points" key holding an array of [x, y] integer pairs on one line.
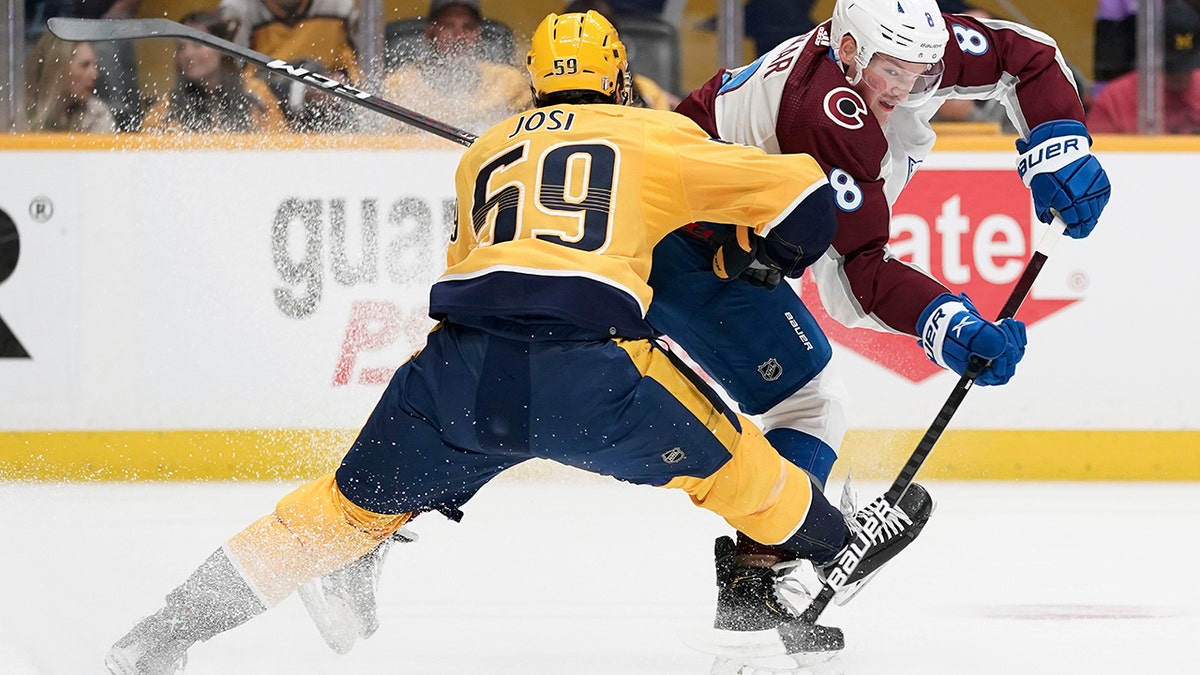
{"points": [[559, 209], [320, 30]]}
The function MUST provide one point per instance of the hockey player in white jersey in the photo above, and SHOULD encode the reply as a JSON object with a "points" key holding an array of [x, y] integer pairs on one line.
{"points": [[857, 93]]}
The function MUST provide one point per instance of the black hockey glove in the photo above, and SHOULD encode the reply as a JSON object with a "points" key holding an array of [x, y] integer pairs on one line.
{"points": [[737, 258], [758, 274]]}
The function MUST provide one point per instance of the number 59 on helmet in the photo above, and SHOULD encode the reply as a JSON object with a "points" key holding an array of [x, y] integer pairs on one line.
{"points": [[578, 52]]}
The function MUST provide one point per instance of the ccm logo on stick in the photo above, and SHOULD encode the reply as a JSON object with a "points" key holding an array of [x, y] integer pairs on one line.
{"points": [[317, 79]]}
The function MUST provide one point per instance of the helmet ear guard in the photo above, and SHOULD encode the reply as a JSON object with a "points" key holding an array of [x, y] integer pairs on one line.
{"points": [[578, 52]]}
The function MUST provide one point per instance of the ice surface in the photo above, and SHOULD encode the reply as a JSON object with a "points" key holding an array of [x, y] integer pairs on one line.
{"points": [[589, 576]]}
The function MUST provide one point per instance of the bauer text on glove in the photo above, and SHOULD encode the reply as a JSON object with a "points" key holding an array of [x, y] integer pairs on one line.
{"points": [[951, 331], [1064, 176]]}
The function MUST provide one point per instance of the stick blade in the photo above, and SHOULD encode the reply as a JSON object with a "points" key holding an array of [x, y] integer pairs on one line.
{"points": [[96, 30]]}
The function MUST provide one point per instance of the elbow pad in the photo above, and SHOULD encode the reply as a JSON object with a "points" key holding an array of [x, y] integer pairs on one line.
{"points": [[803, 235]]}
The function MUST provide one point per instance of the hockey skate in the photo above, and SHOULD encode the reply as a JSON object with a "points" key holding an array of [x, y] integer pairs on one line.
{"points": [[878, 532], [342, 603], [152, 647], [759, 608], [753, 606], [213, 599]]}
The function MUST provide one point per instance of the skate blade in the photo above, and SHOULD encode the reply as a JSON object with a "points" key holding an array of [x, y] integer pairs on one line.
{"points": [[735, 643], [792, 664], [119, 661], [750, 644], [334, 619]]}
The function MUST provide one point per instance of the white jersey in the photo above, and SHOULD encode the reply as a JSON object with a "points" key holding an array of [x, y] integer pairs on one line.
{"points": [[796, 99]]}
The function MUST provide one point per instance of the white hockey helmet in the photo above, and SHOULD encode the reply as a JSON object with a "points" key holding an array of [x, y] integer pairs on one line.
{"points": [[908, 30]]}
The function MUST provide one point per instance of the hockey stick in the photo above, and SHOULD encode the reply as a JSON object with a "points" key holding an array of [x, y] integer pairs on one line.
{"points": [[909, 471], [95, 30], [92, 30]]}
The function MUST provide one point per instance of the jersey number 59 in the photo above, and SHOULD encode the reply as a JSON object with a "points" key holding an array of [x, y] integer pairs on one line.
{"points": [[575, 181]]}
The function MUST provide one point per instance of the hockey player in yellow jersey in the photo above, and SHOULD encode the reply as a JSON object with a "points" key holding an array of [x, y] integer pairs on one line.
{"points": [[559, 207], [543, 349]]}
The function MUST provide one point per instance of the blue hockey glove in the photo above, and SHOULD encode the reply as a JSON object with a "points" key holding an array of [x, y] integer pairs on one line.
{"points": [[1064, 176], [951, 331]]}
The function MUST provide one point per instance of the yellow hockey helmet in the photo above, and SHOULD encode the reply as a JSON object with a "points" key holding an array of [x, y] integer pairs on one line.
{"points": [[578, 51]]}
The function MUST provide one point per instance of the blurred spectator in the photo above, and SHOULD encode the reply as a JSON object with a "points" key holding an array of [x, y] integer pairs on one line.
{"points": [[646, 92], [972, 110], [450, 82], [60, 83], [298, 30], [770, 22], [312, 110], [210, 93], [991, 110], [1115, 109], [116, 61], [1115, 51], [637, 8]]}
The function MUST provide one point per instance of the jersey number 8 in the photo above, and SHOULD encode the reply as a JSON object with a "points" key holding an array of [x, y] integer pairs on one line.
{"points": [[848, 195]]}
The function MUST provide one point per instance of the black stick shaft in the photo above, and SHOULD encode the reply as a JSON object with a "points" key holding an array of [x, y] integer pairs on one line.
{"points": [[1019, 292], [909, 471], [92, 30], [128, 29]]}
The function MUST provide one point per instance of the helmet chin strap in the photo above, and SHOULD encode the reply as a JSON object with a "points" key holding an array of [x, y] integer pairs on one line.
{"points": [[858, 74], [837, 55]]}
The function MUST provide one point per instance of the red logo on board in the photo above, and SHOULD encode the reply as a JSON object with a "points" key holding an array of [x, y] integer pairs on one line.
{"points": [[973, 231]]}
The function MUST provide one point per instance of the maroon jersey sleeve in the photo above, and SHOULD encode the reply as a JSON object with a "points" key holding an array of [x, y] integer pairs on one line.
{"points": [[852, 149], [698, 105], [816, 112], [994, 52]]}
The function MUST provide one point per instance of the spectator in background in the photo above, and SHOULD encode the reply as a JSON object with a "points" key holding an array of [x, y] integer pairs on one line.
{"points": [[970, 110], [1115, 109], [646, 92], [116, 61], [312, 110], [1115, 51], [298, 30], [639, 7], [770, 22], [210, 94], [450, 82], [60, 83], [991, 109]]}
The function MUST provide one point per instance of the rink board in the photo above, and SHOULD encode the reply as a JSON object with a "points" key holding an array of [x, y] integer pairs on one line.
{"points": [[286, 454], [224, 308]]}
